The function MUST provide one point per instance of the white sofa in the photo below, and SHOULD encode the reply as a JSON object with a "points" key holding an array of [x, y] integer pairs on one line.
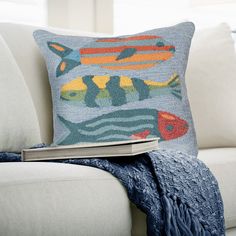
{"points": [[47, 199]]}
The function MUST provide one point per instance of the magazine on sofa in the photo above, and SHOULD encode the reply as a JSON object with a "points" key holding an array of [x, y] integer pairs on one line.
{"points": [[91, 150]]}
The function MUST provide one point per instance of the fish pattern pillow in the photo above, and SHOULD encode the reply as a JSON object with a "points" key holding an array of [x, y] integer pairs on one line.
{"points": [[121, 88]]}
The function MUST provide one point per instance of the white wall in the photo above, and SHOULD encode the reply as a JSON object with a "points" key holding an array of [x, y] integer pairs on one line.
{"points": [[118, 16], [24, 11], [84, 15], [132, 16]]}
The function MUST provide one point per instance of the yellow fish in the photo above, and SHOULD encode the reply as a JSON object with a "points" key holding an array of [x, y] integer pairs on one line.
{"points": [[102, 91]]}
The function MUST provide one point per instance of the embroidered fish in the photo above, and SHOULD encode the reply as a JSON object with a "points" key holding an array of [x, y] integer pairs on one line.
{"points": [[102, 91], [125, 125], [127, 53]]}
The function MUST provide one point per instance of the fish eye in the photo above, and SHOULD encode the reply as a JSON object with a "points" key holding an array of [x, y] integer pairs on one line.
{"points": [[169, 127], [72, 94], [160, 44]]}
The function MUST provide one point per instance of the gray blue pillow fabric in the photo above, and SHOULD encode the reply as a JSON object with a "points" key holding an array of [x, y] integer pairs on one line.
{"points": [[121, 88]]}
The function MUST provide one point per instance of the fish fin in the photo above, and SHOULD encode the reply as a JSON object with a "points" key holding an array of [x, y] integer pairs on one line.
{"points": [[59, 49], [65, 66], [177, 93], [174, 81], [64, 99], [73, 137], [141, 135], [160, 44], [68, 124], [174, 84], [128, 52], [172, 49]]}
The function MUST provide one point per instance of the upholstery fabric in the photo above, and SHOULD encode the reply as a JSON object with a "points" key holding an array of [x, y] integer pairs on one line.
{"points": [[211, 83], [75, 177], [178, 193], [43, 198], [127, 87], [19, 127], [222, 163], [231, 232]]}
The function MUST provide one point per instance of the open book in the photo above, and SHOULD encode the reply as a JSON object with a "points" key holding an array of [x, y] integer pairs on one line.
{"points": [[91, 150]]}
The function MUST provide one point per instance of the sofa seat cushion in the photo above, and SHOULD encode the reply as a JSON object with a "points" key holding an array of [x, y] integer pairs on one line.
{"points": [[61, 199], [231, 232], [222, 163]]}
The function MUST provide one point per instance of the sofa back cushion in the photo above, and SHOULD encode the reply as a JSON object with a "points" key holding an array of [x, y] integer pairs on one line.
{"points": [[19, 126], [211, 83], [19, 39], [210, 79]]}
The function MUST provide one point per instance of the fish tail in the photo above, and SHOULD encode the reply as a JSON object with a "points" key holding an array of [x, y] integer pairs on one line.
{"points": [[173, 81], [62, 51], [177, 93], [65, 66], [174, 84], [72, 127], [59, 49]]}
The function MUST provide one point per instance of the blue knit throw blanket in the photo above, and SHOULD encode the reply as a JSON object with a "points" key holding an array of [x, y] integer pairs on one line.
{"points": [[177, 192]]}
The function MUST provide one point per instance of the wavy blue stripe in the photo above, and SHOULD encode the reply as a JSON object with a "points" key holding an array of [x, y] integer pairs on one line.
{"points": [[120, 119], [113, 128]]}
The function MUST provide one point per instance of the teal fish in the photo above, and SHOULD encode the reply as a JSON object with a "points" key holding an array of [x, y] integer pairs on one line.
{"points": [[125, 125]]}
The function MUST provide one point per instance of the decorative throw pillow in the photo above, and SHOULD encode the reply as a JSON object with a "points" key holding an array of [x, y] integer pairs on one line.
{"points": [[121, 88], [19, 127]]}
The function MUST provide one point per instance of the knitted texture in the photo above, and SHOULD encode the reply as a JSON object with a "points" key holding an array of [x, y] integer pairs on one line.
{"points": [[122, 88], [177, 191]]}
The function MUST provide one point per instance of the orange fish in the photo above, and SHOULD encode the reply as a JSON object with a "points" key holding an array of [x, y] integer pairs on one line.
{"points": [[127, 53]]}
